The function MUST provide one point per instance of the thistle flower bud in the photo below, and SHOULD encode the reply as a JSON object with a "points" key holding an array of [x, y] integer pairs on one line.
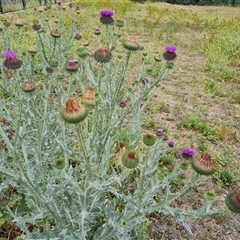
{"points": [[103, 55], [49, 69], [122, 103], [97, 31], [119, 23], [233, 202], [36, 26], [74, 111], [28, 87], [56, 33], [204, 165], [60, 164], [171, 143], [60, 76], [71, 66], [149, 139], [130, 159], [170, 54], [32, 50], [53, 62], [131, 44], [88, 97], [158, 58], [6, 23], [77, 36], [84, 42], [19, 23]]}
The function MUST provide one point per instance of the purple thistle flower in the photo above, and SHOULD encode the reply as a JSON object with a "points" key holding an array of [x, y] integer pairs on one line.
{"points": [[71, 63], [171, 143], [70, 5], [59, 3], [106, 13], [159, 132], [10, 54], [145, 80], [122, 103], [188, 153], [171, 49]]}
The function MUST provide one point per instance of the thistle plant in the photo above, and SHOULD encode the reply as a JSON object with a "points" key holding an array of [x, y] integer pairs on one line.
{"points": [[77, 162]]}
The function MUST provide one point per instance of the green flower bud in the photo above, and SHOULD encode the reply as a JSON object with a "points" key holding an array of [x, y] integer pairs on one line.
{"points": [[74, 111], [204, 165], [149, 139], [130, 159]]}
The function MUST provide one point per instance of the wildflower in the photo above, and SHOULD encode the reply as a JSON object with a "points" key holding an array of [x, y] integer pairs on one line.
{"points": [[103, 55], [71, 66], [10, 133], [11, 60], [145, 80], [171, 143], [70, 5], [88, 97], [131, 44], [106, 16], [77, 36], [74, 111], [188, 153], [159, 132], [233, 202], [122, 103], [77, 8], [204, 165], [97, 31], [130, 159], [149, 139], [169, 53], [28, 87], [56, 33], [59, 3]]}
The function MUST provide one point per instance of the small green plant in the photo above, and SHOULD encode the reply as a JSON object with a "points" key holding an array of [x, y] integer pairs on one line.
{"points": [[197, 124], [224, 177]]}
